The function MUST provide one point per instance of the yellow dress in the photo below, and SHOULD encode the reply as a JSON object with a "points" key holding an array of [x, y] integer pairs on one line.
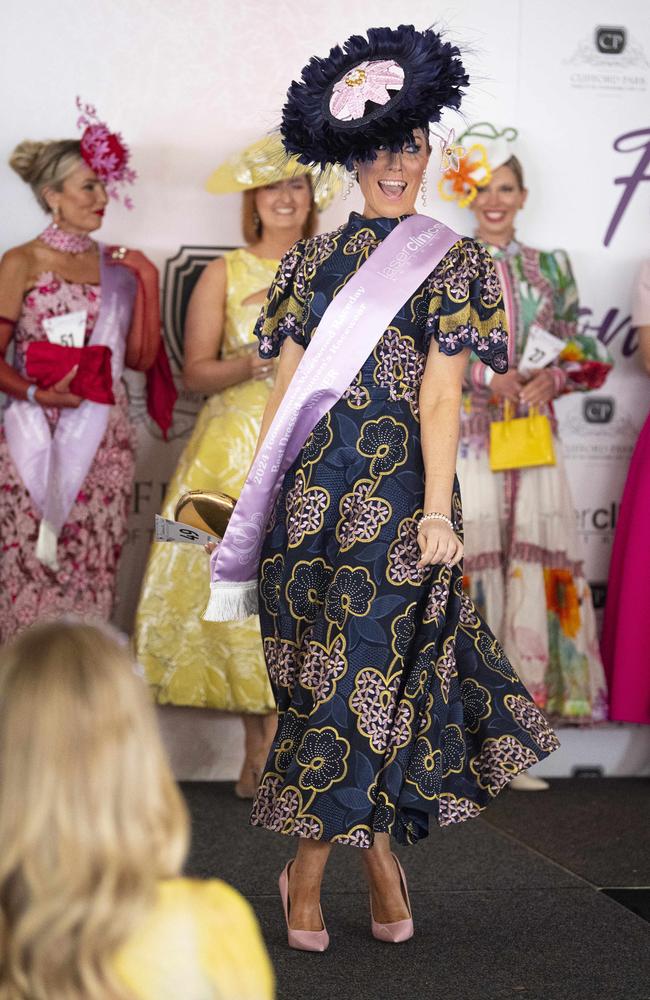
{"points": [[186, 660], [200, 941]]}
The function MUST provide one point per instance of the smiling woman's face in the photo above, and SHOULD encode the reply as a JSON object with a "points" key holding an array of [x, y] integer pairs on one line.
{"points": [[390, 183], [284, 205], [496, 206]]}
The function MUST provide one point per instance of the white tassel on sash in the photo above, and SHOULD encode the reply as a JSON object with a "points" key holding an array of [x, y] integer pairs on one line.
{"points": [[46, 545], [231, 601]]}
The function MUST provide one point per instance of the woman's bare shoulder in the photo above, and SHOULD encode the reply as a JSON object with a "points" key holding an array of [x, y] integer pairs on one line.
{"points": [[25, 253], [215, 271], [19, 262]]}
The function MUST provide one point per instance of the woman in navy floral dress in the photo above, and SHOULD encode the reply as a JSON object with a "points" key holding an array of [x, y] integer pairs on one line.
{"points": [[396, 704]]}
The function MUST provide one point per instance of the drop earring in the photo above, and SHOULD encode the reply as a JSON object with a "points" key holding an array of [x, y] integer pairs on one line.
{"points": [[349, 187], [257, 222], [56, 216], [423, 189]]}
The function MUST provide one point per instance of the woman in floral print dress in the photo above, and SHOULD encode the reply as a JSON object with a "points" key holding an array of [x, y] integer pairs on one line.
{"points": [[91, 542], [523, 558], [64, 271], [396, 704]]}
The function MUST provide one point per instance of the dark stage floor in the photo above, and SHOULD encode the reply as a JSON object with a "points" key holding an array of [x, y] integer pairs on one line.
{"points": [[524, 903]]}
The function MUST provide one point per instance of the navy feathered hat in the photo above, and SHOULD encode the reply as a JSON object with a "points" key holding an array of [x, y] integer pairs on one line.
{"points": [[371, 92]]}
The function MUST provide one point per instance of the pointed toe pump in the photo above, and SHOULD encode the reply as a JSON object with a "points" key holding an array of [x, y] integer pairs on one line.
{"points": [[399, 930], [301, 940]]}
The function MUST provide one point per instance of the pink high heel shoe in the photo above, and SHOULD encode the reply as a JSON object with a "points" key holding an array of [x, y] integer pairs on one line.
{"points": [[301, 940], [398, 930]]}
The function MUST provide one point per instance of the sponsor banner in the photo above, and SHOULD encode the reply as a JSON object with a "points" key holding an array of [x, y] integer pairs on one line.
{"points": [[608, 59], [584, 96]]}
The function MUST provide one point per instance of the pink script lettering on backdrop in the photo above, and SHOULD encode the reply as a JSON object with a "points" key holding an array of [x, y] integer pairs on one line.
{"points": [[626, 144]]}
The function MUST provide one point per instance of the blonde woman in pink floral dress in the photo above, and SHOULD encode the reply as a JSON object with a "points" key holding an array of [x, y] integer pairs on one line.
{"points": [[60, 544]]}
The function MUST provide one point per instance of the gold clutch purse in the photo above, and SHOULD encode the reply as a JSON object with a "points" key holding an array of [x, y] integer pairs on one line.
{"points": [[206, 511], [521, 442]]}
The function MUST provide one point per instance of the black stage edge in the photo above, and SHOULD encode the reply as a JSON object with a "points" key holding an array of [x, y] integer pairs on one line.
{"points": [[543, 898]]}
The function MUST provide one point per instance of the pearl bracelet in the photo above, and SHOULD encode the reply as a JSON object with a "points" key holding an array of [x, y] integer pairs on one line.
{"points": [[436, 516]]}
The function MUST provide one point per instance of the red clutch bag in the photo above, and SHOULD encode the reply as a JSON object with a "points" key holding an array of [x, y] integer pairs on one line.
{"points": [[48, 363]]}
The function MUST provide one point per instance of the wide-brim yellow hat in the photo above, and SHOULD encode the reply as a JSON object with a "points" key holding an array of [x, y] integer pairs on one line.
{"points": [[266, 162]]}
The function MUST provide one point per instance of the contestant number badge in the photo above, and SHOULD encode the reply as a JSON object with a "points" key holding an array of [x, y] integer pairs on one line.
{"points": [[174, 531], [68, 330]]}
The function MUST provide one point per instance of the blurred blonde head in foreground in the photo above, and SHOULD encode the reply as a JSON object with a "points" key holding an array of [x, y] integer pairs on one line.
{"points": [[90, 816]]}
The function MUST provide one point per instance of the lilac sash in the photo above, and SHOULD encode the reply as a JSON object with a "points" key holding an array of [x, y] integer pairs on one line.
{"points": [[347, 334], [54, 466]]}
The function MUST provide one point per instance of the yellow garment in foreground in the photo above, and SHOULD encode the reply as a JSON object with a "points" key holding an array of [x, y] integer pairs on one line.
{"points": [[201, 941], [186, 660]]}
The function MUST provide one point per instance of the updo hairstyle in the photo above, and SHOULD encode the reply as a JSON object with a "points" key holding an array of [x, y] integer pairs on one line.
{"points": [[45, 164]]}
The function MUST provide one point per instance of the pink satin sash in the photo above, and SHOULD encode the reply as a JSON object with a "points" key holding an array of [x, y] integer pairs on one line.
{"points": [[347, 334], [53, 467]]}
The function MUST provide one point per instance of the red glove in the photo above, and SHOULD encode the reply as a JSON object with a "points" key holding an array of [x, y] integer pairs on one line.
{"points": [[145, 350], [161, 391], [49, 363]]}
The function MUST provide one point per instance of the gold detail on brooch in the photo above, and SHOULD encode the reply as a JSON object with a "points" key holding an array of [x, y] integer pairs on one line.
{"points": [[356, 78]]}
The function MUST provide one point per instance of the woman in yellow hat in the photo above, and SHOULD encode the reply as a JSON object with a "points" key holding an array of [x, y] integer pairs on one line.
{"points": [[188, 661]]}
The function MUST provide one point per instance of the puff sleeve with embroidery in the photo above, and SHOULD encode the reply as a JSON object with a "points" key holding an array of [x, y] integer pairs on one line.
{"points": [[466, 306], [282, 315]]}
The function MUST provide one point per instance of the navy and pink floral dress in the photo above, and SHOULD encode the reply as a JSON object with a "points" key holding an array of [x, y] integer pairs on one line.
{"points": [[396, 704]]}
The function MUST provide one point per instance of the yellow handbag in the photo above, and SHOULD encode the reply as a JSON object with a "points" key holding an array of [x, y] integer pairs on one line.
{"points": [[521, 442]]}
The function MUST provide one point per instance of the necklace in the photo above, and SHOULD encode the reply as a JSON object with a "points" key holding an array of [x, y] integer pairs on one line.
{"points": [[58, 239]]}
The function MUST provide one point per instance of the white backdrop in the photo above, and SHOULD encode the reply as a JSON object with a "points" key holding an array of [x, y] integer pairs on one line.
{"points": [[190, 82]]}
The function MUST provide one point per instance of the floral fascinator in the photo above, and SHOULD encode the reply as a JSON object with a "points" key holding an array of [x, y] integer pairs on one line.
{"points": [[105, 152], [479, 162], [370, 93]]}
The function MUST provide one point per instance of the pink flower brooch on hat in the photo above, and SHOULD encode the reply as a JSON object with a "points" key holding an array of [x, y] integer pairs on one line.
{"points": [[368, 81]]}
